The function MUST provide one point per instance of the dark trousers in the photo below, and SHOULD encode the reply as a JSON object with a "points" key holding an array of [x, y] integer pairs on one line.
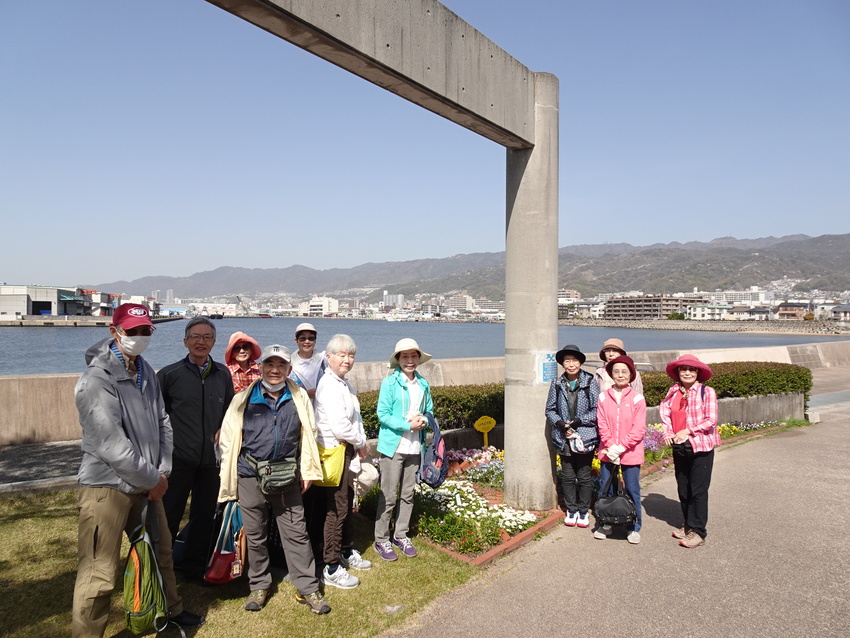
{"points": [[202, 483], [288, 512], [576, 482], [315, 509], [339, 526], [693, 477]]}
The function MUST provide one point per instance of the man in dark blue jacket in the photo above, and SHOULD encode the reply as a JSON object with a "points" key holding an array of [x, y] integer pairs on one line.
{"points": [[197, 391]]}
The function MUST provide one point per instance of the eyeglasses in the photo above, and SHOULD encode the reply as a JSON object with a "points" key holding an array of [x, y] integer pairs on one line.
{"points": [[145, 331], [201, 337], [242, 346], [687, 369], [306, 338]]}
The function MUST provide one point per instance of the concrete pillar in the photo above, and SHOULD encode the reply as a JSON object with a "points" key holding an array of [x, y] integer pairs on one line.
{"points": [[531, 303]]}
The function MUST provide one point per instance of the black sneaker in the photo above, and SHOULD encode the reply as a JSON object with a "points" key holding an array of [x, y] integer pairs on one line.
{"points": [[187, 619]]}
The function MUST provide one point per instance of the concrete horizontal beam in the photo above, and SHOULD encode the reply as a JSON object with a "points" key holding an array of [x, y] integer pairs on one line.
{"points": [[417, 49]]}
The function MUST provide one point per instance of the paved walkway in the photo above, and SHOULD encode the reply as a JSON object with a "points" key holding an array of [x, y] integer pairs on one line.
{"points": [[776, 562]]}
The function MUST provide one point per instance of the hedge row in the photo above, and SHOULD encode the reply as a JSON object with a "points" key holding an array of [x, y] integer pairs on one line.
{"points": [[460, 406], [455, 406], [738, 379]]}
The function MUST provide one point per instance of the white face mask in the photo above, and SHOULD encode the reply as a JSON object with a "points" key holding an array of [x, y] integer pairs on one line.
{"points": [[134, 346], [274, 388]]}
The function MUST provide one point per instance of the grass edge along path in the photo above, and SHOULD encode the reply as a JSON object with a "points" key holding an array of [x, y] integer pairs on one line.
{"points": [[38, 567]]}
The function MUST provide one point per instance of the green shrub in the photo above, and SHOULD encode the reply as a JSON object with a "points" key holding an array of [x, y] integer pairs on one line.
{"points": [[456, 406], [460, 406], [738, 379]]}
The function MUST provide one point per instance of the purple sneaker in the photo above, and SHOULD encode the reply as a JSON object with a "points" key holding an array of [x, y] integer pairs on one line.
{"points": [[405, 546], [386, 551]]}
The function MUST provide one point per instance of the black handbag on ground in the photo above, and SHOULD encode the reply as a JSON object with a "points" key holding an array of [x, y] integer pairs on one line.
{"points": [[617, 509]]}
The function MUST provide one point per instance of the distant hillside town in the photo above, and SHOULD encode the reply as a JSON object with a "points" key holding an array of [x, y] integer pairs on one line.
{"points": [[774, 302]]}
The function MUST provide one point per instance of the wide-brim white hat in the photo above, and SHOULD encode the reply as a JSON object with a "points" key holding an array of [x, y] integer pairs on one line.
{"points": [[407, 344]]}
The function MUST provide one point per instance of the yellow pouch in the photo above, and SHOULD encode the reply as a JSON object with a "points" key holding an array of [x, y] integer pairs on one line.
{"points": [[333, 463]]}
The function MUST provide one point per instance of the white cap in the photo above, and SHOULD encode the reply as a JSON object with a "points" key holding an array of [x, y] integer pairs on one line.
{"points": [[276, 351], [305, 326]]}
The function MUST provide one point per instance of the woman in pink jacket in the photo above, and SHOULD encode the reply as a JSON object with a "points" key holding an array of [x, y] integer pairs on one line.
{"points": [[621, 416]]}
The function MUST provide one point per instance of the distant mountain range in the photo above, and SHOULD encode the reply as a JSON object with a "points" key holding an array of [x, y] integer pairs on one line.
{"points": [[727, 263]]}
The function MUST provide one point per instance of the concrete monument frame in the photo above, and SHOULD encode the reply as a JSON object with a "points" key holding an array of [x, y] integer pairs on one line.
{"points": [[421, 51]]}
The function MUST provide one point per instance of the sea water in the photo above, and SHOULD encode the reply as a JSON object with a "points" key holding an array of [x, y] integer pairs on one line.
{"points": [[50, 350]]}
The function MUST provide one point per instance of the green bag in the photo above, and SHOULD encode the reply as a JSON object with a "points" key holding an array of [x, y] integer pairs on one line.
{"points": [[274, 477], [144, 595]]}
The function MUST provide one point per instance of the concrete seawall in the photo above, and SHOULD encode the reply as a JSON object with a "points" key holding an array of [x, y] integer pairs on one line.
{"points": [[40, 408]]}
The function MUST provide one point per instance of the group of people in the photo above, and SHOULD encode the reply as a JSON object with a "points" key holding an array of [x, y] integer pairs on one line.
{"points": [[213, 431], [604, 415], [216, 431]]}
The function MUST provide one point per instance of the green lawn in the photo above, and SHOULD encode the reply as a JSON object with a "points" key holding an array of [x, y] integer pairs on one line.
{"points": [[38, 567]]}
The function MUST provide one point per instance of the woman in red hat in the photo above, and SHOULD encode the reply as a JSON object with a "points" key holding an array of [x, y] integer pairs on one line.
{"points": [[689, 416]]}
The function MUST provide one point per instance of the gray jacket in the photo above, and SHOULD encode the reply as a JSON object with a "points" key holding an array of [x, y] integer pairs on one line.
{"points": [[127, 438]]}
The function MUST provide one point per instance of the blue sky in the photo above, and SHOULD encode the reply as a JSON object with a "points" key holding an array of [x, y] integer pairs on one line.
{"points": [[167, 137]]}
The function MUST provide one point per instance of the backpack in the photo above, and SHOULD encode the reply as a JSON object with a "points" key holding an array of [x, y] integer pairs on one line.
{"points": [[433, 466], [144, 595]]}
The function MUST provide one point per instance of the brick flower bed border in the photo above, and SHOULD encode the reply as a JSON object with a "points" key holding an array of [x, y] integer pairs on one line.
{"points": [[551, 519]]}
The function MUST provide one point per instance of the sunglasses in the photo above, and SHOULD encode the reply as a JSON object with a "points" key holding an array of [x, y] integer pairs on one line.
{"points": [[688, 369], [145, 331], [242, 346], [306, 338]]}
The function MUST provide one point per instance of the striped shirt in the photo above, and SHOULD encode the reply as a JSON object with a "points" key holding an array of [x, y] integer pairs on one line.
{"points": [[701, 415]]}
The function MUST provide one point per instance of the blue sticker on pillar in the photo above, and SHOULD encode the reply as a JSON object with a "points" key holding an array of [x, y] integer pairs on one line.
{"points": [[548, 368]]}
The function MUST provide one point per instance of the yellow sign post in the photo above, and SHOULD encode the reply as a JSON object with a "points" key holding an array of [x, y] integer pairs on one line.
{"points": [[484, 425]]}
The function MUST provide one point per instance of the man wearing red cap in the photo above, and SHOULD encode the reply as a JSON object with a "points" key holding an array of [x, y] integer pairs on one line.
{"points": [[127, 443]]}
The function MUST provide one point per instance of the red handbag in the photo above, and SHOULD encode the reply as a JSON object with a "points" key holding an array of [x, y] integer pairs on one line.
{"points": [[228, 558]]}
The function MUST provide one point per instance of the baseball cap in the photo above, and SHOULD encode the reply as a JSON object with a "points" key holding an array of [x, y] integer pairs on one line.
{"points": [[305, 326], [276, 351], [130, 315]]}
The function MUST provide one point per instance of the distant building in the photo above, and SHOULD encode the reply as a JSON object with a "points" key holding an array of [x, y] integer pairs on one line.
{"points": [[707, 312], [319, 307], [748, 313], [392, 301], [792, 310], [566, 296], [840, 312], [43, 300], [459, 302], [482, 303], [650, 306], [754, 296]]}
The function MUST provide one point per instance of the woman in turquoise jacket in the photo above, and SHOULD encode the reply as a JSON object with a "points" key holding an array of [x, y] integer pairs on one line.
{"points": [[404, 398]]}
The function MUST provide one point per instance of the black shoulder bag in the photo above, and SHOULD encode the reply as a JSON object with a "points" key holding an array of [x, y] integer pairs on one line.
{"points": [[617, 509]]}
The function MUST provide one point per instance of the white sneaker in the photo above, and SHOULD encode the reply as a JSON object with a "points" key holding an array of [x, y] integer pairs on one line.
{"points": [[583, 520], [340, 578], [602, 532], [633, 537], [570, 519], [355, 561]]}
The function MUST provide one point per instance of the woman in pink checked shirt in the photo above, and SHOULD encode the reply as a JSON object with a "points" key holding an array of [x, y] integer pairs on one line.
{"points": [[689, 416]]}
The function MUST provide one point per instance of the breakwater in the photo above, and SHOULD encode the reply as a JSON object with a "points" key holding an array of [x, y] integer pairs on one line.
{"points": [[776, 326]]}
